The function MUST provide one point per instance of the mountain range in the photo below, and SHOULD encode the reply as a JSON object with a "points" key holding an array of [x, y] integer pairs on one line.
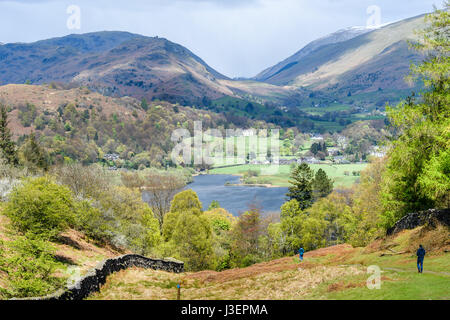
{"points": [[350, 61]]}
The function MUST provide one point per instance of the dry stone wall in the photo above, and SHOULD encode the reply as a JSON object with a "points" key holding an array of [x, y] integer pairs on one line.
{"points": [[95, 278]]}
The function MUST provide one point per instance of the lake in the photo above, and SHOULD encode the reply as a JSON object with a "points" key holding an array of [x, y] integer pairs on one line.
{"points": [[236, 199]]}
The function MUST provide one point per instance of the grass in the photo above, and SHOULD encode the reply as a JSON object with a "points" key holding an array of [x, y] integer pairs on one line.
{"points": [[412, 286], [337, 172], [338, 272]]}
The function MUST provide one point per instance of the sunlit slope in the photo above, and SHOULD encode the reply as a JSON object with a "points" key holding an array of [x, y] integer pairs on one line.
{"points": [[373, 60], [338, 272]]}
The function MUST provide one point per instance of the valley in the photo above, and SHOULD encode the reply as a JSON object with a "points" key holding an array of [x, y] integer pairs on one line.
{"points": [[115, 144]]}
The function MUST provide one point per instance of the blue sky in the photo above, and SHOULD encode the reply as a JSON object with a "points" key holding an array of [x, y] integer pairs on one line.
{"points": [[236, 37]]}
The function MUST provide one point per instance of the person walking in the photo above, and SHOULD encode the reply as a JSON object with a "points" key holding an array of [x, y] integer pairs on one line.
{"points": [[301, 251], [420, 256]]}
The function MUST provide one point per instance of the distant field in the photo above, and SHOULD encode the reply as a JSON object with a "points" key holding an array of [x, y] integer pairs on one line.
{"points": [[281, 178]]}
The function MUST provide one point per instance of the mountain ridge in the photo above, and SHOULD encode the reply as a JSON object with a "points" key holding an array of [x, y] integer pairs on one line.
{"points": [[354, 60], [341, 56], [113, 62]]}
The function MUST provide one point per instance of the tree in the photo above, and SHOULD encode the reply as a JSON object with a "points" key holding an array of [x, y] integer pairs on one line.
{"points": [[291, 225], [7, 145], [130, 220], [301, 188], [161, 189], [214, 205], [33, 155], [322, 185], [245, 236], [367, 206], [144, 104], [188, 233], [422, 124], [85, 182]]}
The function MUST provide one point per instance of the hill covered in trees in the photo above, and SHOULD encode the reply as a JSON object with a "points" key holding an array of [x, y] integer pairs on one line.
{"points": [[78, 124]]}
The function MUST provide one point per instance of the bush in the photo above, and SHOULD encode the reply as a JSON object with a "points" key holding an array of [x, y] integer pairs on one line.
{"points": [[122, 218], [250, 260], [30, 265], [41, 207], [92, 222]]}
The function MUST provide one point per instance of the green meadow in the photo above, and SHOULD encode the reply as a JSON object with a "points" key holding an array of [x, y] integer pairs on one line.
{"points": [[342, 174]]}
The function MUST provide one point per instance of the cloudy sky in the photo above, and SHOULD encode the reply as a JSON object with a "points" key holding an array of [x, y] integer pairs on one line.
{"points": [[236, 37]]}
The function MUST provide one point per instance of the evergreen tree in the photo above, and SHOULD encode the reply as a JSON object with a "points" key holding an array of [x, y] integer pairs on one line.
{"points": [[7, 145], [33, 154], [302, 186], [144, 104], [322, 185]]}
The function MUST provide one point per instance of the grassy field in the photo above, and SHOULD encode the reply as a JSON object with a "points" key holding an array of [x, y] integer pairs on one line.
{"points": [[338, 172], [339, 272]]}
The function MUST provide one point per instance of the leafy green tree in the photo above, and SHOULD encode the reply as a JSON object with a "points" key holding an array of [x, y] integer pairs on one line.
{"points": [[322, 185], [188, 232], [367, 206], [422, 125], [291, 225], [435, 179], [222, 223], [192, 237], [301, 188], [185, 200], [41, 207], [7, 145], [214, 205], [220, 219]]}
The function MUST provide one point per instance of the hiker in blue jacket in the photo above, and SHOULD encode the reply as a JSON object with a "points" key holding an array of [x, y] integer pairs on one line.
{"points": [[420, 256], [301, 251]]}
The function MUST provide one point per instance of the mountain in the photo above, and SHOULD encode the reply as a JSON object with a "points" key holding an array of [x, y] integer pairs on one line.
{"points": [[354, 60], [349, 62], [336, 37], [114, 63]]}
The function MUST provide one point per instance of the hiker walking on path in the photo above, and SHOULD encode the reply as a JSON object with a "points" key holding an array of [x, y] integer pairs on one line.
{"points": [[420, 256], [301, 251]]}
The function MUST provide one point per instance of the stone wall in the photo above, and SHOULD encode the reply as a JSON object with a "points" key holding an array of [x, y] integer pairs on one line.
{"points": [[416, 219], [95, 278]]}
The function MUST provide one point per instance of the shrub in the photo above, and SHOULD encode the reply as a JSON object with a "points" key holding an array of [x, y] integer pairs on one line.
{"points": [[30, 265], [125, 220], [41, 207]]}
